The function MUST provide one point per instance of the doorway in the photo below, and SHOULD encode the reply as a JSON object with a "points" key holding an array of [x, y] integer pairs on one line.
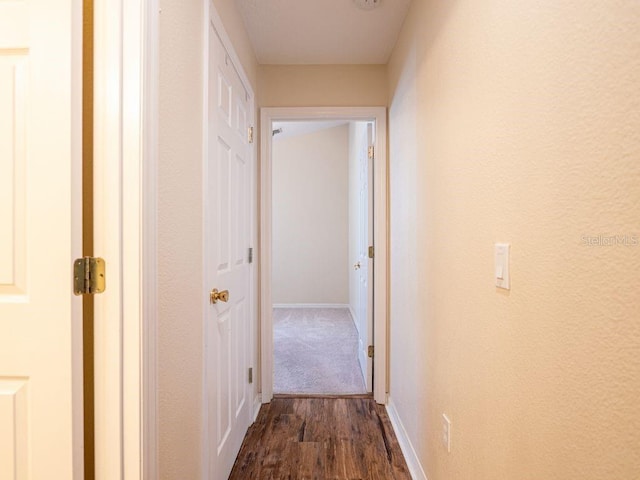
{"points": [[322, 300], [375, 343]]}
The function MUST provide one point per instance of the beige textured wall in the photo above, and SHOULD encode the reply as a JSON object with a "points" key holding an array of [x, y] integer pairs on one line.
{"points": [[311, 217], [180, 230], [322, 85], [179, 236], [517, 122]]}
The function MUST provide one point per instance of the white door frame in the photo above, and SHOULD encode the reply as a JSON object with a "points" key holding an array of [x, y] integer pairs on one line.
{"points": [[379, 115], [125, 165]]}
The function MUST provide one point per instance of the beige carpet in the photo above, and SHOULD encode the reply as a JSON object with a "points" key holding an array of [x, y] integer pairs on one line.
{"points": [[315, 351]]}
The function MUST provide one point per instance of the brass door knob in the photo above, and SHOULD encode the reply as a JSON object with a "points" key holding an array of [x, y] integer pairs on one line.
{"points": [[356, 266], [223, 296]]}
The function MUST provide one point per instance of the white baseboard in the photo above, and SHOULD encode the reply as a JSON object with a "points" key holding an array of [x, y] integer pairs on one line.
{"points": [[353, 318], [415, 468], [310, 305], [353, 313], [257, 403]]}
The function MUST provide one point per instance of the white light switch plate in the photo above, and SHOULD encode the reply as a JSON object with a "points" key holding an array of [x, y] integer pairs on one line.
{"points": [[502, 265]]}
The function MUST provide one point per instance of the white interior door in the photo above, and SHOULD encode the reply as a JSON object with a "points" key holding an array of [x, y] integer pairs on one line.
{"points": [[40, 225], [364, 321], [228, 238]]}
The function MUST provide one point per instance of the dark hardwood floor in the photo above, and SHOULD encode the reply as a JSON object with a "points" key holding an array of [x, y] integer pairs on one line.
{"points": [[323, 438]]}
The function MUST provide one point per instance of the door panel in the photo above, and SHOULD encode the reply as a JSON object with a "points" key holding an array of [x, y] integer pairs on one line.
{"points": [[227, 243], [364, 322], [13, 434], [221, 182], [40, 320], [14, 61]]}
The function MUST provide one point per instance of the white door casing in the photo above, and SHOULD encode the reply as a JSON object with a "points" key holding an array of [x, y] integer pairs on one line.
{"points": [[229, 179], [40, 234], [364, 310], [379, 189], [125, 145]]}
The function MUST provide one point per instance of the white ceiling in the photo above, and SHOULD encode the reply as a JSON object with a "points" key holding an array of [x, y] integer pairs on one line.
{"points": [[315, 32]]}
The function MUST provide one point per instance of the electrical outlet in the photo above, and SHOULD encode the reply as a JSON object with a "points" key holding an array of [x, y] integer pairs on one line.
{"points": [[446, 433]]}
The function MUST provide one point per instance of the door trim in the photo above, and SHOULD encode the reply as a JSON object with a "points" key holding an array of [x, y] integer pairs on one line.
{"points": [[380, 235], [125, 168]]}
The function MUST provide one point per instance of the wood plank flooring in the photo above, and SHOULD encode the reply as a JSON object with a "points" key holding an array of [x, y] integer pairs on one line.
{"points": [[321, 438]]}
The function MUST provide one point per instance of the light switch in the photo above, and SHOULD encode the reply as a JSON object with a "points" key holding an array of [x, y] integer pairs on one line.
{"points": [[502, 265]]}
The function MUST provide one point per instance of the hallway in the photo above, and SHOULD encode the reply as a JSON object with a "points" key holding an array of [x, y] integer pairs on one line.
{"points": [[507, 123], [506, 176], [339, 438]]}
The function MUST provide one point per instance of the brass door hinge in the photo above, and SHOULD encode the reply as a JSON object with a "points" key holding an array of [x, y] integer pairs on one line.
{"points": [[371, 252], [251, 375], [371, 152], [370, 351], [250, 135], [89, 276]]}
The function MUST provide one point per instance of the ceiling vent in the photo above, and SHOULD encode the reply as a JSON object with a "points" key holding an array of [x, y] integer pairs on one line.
{"points": [[367, 4]]}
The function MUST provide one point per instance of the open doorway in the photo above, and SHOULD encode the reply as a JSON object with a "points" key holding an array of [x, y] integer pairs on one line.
{"points": [[333, 279], [322, 227]]}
